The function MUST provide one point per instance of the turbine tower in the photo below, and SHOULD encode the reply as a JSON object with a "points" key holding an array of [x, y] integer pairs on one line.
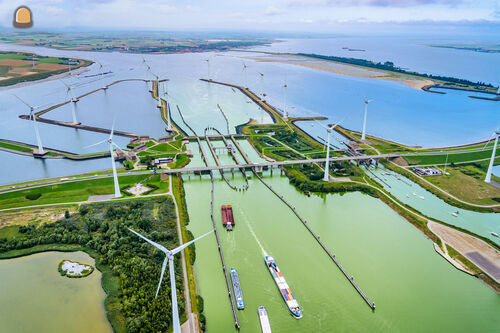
{"points": [[364, 120], [262, 84], [496, 134], [69, 92], [245, 74], [111, 149], [329, 129], [208, 68], [104, 87], [35, 125], [169, 260], [285, 114]]}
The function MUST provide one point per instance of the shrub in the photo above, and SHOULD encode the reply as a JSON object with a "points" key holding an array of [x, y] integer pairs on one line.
{"points": [[33, 196]]}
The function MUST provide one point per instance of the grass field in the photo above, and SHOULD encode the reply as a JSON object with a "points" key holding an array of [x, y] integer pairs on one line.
{"points": [[75, 191], [466, 182], [18, 67], [452, 158]]}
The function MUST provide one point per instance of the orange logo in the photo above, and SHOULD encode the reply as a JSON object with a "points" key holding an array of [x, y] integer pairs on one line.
{"points": [[23, 17]]}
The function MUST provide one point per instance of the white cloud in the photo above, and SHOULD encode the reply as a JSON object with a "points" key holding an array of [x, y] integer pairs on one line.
{"points": [[271, 11]]}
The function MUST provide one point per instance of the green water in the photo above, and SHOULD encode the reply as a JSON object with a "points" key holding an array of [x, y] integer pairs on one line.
{"points": [[414, 289], [36, 298]]}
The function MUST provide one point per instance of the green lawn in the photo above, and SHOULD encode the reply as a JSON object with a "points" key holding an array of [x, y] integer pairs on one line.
{"points": [[452, 158], [69, 192], [466, 182]]}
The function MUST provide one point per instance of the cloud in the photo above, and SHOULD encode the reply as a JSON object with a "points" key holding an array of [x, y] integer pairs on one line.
{"points": [[374, 3], [271, 11]]}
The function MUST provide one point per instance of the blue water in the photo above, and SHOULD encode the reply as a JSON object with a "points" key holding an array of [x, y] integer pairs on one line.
{"points": [[413, 53], [398, 113]]}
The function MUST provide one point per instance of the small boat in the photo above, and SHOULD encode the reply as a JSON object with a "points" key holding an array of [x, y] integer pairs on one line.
{"points": [[455, 213], [421, 197], [265, 326], [407, 195], [414, 193], [495, 234]]}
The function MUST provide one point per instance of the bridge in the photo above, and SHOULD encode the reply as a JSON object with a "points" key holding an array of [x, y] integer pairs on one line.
{"points": [[263, 165]]}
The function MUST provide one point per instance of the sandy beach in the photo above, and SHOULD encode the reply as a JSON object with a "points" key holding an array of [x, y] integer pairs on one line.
{"points": [[343, 69]]}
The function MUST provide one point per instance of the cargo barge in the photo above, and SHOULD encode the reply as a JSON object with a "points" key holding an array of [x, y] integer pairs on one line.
{"points": [[285, 291], [227, 217], [265, 326], [238, 295]]}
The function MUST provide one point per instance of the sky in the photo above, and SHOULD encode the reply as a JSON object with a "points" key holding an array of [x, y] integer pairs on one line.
{"points": [[271, 15]]}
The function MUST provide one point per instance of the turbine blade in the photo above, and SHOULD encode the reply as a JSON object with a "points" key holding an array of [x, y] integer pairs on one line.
{"points": [[491, 138], [95, 144], [158, 246], [320, 124], [173, 291], [165, 262], [183, 246], [117, 147], [112, 128], [341, 121], [19, 98]]}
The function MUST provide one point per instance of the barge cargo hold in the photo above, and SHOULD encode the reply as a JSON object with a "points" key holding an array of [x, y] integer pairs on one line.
{"points": [[285, 291], [265, 326], [238, 295], [227, 217]]}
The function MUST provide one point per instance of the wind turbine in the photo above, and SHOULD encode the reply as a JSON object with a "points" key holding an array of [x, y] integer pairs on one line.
{"points": [[69, 92], [169, 124], [245, 74], [33, 117], [364, 121], [262, 84], [329, 129], [285, 114], [496, 134], [169, 259], [111, 144], [104, 87], [208, 67]]}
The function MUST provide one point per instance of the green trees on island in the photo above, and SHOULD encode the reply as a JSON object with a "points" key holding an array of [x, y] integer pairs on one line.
{"points": [[102, 230]]}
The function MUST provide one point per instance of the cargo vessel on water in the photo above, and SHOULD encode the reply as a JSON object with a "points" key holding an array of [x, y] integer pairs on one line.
{"points": [[265, 326], [238, 295], [227, 217], [285, 291]]}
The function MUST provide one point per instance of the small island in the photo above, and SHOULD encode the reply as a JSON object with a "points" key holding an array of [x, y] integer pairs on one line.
{"points": [[74, 269]]}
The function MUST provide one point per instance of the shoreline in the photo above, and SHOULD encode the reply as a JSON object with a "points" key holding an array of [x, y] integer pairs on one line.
{"points": [[344, 69], [47, 79]]}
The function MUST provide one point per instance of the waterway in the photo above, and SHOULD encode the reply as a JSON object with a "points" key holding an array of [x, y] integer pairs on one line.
{"points": [[398, 113], [36, 298], [430, 205], [414, 289]]}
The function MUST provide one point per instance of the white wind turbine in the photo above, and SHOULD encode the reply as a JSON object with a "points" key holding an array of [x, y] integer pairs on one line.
{"points": [[329, 129], [111, 149], [169, 259], [208, 67], [69, 92], [245, 74], [285, 114], [35, 125], [495, 135], [104, 87], [364, 121], [167, 109]]}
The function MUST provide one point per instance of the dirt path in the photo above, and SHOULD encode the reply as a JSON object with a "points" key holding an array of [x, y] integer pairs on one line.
{"points": [[475, 250]]}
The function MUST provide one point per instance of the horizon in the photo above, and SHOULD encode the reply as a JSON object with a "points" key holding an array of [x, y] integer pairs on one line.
{"points": [[279, 16]]}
